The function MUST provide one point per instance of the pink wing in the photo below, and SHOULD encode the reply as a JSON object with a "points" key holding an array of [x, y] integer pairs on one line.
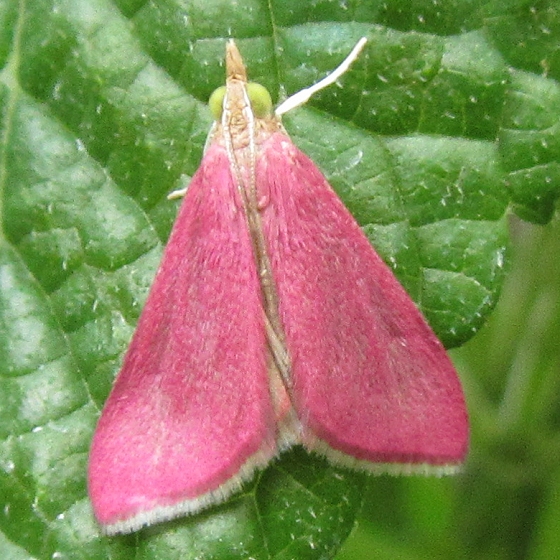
{"points": [[371, 381], [190, 414]]}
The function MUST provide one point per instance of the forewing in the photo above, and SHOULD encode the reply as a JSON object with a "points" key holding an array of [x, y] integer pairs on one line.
{"points": [[189, 415], [373, 386]]}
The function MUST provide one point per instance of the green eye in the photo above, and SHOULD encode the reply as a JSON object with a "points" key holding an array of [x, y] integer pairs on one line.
{"points": [[216, 102], [260, 100]]}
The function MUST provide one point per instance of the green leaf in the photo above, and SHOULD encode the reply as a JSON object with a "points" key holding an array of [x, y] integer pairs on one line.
{"points": [[442, 123]]}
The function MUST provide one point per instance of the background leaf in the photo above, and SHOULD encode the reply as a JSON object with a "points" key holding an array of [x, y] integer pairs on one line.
{"points": [[448, 119]]}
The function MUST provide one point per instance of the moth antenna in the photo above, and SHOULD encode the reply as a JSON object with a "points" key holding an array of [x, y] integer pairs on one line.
{"points": [[303, 96]]}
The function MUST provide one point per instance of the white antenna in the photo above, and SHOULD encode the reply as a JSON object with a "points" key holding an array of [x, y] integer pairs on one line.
{"points": [[303, 96]]}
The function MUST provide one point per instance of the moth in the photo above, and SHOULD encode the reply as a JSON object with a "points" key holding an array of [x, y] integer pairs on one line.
{"points": [[271, 322]]}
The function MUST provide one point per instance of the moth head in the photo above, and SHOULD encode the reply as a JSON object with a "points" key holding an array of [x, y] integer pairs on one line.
{"points": [[260, 100]]}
